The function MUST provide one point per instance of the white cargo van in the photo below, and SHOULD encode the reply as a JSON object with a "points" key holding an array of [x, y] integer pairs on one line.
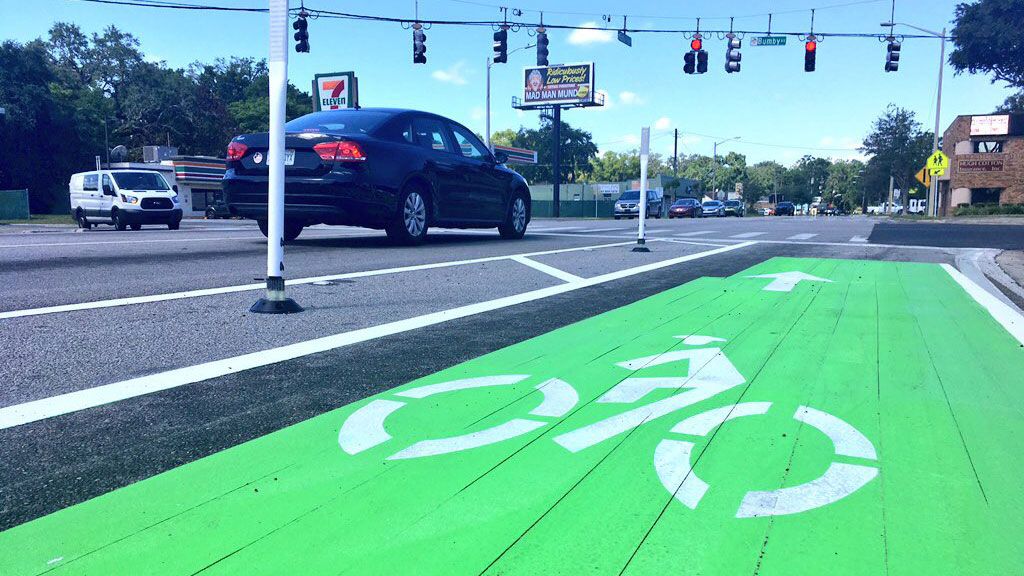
{"points": [[123, 198]]}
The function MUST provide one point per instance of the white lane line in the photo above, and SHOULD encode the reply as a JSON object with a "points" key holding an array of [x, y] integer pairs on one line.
{"points": [[256, 286], [693, 242], [801, 237], [1010, 319], [697, 233], [152, 241], [42, 409], [559, 229], [748, 235], [858, 239], [549, 270], [592, 230]]}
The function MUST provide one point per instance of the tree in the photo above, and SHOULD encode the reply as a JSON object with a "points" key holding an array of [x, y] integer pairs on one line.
{"points": [[763, 179], [842, 184], [988, 38], [898, 147], [1013, 104], [577, 154]]}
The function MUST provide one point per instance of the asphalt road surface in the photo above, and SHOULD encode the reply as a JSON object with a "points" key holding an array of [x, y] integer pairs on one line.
{"points": [[144, 407]]}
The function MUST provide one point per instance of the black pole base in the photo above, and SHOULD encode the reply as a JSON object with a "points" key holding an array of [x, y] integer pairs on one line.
{"points": [[265, 306], [641, 246], [275, 301]]}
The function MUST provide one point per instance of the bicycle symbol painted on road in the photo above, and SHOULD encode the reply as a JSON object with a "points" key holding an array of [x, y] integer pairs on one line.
{"points": [[709, 373]]}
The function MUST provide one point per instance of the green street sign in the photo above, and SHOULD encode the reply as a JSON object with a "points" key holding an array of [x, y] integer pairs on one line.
{"points": [[768, 41]]}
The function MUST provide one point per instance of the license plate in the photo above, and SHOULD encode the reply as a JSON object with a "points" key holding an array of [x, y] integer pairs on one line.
{"points": [[289, 157]]}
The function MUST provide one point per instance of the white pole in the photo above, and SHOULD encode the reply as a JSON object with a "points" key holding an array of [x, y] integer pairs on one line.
{"points": [[275, 301], [488, 113], [934, 200], [645, 142]]}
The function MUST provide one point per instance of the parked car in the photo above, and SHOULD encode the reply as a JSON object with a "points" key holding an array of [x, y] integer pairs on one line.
{"points": [[734, 208], [785, 209], [886, 208], [685, 207], [712, 208], [123, 198], [402, 171], [218, 208], [628, 204]]}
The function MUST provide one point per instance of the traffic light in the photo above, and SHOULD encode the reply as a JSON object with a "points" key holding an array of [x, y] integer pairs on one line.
{"points": [[702, 61], [419, 44], [892, 59], [690, 62], [301, 27], [542, 47], [810, 51], [733, 56], [501, 45]]}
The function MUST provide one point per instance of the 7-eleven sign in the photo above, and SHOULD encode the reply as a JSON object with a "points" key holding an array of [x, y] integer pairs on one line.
{"points": [[335, 91]]}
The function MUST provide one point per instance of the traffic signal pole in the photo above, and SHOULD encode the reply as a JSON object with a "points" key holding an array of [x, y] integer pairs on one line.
{"points": [[275, 301], [934, 192], [556, 160]]}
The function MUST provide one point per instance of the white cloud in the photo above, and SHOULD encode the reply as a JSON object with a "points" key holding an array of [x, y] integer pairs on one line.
{"points": [[607, 99], [590, 34], [477, 113], [663, 123], [452, 75], [631, 98]]}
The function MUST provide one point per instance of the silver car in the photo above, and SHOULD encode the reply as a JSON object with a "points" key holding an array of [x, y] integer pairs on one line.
{"points": [[713, 208], [628, 204]]}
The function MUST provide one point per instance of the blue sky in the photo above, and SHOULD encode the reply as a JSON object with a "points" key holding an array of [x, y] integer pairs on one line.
{"points": [[772, 101]]}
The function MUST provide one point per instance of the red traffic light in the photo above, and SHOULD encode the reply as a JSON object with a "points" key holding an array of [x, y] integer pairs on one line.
{"points": [[696, 44], [811, 45]]}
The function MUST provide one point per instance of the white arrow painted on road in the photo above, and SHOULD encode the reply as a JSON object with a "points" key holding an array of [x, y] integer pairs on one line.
{"points": [[785, 281]]}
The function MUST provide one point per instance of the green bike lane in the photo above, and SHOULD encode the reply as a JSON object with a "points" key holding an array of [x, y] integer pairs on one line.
{"points": [[896, 352]]}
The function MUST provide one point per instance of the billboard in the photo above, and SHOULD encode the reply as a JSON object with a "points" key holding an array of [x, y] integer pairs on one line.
{"points": [[335, 90], [559, 84], [990, 125]]}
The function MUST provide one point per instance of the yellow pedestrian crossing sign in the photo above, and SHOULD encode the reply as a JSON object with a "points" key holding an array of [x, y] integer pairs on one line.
{"points": [[924, 177], [937, 163]]}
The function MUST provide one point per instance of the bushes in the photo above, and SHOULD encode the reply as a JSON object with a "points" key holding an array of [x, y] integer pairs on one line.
{"points": [[988, 209]]}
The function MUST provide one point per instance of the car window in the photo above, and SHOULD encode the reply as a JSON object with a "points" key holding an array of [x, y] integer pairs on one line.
{"points": [[90, 182], [429, 133], [140, 181], [468, 144], [630, 195], [349, 121], [107, 182]]}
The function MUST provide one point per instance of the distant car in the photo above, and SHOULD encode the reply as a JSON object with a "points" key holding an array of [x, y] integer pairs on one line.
{"points": [[785, 209], [712, 208], [217, 208], [734, 208], [628, 204], [685, 208], [400, 170], [767, 212], [123, 198]]}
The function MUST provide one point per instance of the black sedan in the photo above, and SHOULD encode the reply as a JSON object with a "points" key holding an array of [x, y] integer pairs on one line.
{"points": [[785, 209], [398, 170], [685, 208]]}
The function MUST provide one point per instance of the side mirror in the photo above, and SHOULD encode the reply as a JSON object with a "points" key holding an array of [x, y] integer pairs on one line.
{"points": [[500, 156], [108, 190], [175, 188]]}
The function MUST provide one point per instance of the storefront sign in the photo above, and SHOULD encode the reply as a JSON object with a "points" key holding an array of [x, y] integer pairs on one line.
{"points": [[335, 91], [990, 125], [561, 84], [980, 165]]}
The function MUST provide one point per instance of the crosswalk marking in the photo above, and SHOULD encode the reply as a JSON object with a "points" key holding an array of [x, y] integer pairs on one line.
{"points": [[801, 237], [696, 233], [747, 235], [858, 239]]}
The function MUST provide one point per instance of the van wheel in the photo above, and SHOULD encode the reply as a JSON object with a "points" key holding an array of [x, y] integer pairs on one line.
{"points": [[119, 222], [514, 226], [80, 219], [136, 227], [409, 224]]}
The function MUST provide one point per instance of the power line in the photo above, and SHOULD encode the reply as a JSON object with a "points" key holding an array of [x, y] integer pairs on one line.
{"points": [[318, 13]]}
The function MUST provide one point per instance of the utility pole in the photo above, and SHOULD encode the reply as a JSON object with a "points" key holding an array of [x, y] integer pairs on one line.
{"points": [[933, 203], [556, 160], [675, 154], [488, 106]]}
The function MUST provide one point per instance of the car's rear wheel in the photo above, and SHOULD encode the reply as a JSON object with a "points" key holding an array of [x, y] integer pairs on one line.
{"points": [[409, 225], [211, 213], [81, 220], [514, 226], [292, 229], [136, 227]]}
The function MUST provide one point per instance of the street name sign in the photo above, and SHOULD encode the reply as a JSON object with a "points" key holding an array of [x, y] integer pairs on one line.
{"points": [[768, 41]]}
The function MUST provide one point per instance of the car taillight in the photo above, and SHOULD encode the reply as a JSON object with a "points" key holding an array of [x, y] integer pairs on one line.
{"points": [[340, 151], [236, 150]]}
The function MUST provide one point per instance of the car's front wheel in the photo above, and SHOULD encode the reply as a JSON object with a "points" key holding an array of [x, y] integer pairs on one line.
{"points": [[292, 229], [514, 226], [409, 225]]}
